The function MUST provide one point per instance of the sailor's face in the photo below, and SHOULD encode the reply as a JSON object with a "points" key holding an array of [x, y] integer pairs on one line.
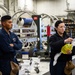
{"points": [[7, 24], [61, 28]]}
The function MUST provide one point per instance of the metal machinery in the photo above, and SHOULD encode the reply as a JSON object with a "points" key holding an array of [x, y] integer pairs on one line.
{"points": [[29, 33], [43, 39], [70, 27], [70, 22], [71, 14], [47, 20], [25, 28]]}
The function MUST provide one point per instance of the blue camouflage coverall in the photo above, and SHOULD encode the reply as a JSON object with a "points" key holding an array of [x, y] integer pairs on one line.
{"points": [[8, 53]]}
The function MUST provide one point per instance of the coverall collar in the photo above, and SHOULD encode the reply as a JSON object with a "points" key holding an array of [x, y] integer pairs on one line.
{"points": [[4, 31]]}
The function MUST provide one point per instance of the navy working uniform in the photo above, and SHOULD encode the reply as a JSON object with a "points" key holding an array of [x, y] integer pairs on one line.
{"points": [[8, 53], [56, 43]]}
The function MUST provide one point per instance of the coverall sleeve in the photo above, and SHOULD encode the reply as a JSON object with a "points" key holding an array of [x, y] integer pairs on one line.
{"points": [[18, 44], [4, 45], [56, 43]]}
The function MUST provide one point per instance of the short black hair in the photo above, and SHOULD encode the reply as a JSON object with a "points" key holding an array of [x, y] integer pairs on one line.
{"points": [[58, 22], [5, 17]]}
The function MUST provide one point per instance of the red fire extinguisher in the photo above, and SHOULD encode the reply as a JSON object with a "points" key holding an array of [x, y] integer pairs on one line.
{"points": [[48, 30]]}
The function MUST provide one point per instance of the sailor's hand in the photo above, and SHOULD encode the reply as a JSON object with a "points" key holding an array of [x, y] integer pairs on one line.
{"points": [[11, 45], [68, 40], [69, 51]]}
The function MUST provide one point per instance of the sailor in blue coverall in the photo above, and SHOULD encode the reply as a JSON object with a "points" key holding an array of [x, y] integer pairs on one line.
{"points": [[9, 43]]}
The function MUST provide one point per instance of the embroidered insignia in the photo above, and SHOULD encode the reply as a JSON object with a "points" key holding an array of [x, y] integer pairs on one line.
{"points": [[14, 39]]}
